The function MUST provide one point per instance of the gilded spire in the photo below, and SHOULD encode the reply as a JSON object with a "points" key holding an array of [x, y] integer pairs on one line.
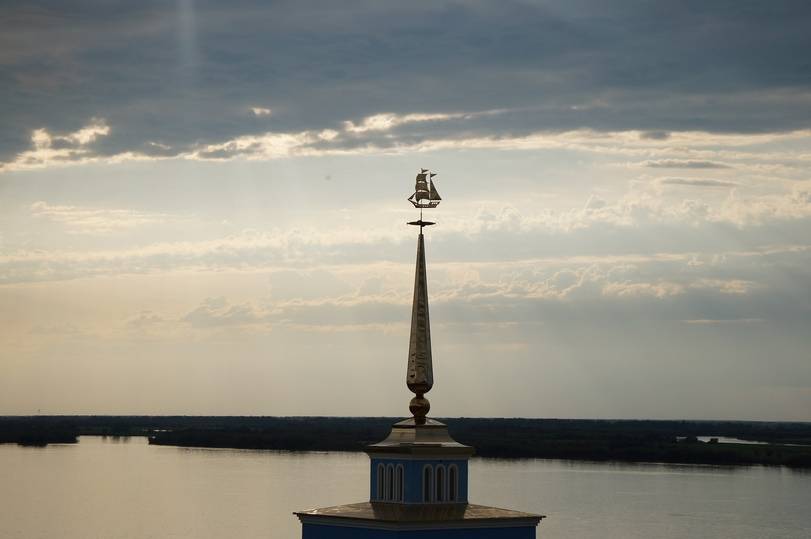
{"points": [[420, 374]]}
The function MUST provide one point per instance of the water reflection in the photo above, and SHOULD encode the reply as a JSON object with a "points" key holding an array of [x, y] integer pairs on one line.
{"points": [[122, 488], [595, 466]]}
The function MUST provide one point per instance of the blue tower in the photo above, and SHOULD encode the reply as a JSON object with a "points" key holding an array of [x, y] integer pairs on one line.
{"points": [[418, 483]]}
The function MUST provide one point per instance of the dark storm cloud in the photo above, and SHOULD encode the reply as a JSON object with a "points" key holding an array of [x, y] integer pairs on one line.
{"points": [[169, 76]]}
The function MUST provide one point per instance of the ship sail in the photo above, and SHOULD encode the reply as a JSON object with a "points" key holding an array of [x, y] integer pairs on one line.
{"points": [[434, 193], [421, 190]]}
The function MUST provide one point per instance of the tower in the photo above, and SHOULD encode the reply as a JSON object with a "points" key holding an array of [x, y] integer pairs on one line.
{"points": [[418, 481]]}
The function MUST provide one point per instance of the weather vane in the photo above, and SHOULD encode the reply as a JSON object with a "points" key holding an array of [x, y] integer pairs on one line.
{"points": [[425, 195]]}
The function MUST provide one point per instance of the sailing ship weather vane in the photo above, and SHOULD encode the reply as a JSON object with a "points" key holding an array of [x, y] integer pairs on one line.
{"points": [[425, 195]]}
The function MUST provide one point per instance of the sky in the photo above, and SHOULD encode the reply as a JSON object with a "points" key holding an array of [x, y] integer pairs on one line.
{"points": [[203, 207]]}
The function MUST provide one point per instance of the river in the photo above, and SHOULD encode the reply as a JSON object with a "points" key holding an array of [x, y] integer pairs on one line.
{"points": [[123, 488]]}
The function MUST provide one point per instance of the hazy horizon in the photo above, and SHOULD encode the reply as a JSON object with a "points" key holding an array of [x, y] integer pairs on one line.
{"points": [[203, 208]]}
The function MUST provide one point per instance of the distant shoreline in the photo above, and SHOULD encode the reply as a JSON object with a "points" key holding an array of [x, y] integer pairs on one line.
{"points": [[570, 439]]}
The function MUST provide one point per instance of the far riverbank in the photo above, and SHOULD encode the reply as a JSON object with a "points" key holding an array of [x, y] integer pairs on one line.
{"points": [[787, 444]]}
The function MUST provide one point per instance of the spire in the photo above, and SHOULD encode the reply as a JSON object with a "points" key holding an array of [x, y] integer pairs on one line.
{"points": [[420, 374]]}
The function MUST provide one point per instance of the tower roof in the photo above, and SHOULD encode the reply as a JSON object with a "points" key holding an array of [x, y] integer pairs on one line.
{"points": [[429, 439], [403, 517]]}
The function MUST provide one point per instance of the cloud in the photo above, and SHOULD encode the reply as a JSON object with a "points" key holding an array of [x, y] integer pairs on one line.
{"points": [[52, 149], [714, 322], [360, 311], [657, 290], [389, 134], [765, 208], [95, 129], [261, 111], [623, 67], [217, 312], [84, 220], [728, 287], [267, 146], [682, 163], [655, 135], [248, 249], [696, 182], [388, 121], [145, 319], [57, 330], [638, 222]]}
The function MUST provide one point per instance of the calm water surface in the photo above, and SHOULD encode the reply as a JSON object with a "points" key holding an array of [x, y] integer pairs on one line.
{"points": [[126, 489]]}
